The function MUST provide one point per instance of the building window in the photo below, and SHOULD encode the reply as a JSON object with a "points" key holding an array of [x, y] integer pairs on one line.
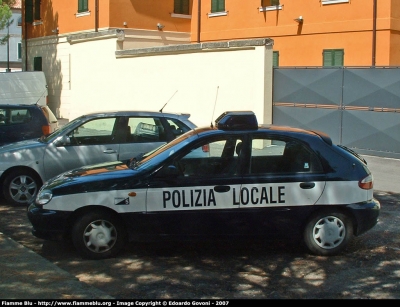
{"points": [[19, 51], [32, 10], [19, 21], [37, 9], [217, 6], [83, 6], [181, 7], [270, 5], [37, 63], [265, 3], [275, 58], [333, 57]]}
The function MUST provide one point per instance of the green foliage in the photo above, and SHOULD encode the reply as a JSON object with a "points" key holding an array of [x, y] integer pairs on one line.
{"points": [[5, 17]]}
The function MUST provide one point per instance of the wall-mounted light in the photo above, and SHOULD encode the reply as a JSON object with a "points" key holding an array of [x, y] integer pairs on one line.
{"points": [[299, 19], [160, 26], [125, 23]]}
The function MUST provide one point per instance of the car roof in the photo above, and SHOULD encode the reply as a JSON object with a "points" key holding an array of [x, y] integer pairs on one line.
{"points": [[134, 113], [281, 130], [5, 105]]}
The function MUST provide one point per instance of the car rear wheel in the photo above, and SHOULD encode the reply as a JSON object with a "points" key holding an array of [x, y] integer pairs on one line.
{"points": [[20, 187], [98, 235], [328, 233]]}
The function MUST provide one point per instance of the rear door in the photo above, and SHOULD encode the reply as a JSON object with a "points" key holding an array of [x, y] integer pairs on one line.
{"points": [[141, 134], [281, 184]]}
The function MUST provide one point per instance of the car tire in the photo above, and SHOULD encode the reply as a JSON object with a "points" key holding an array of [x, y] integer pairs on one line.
{"points": [[327, 233], [98, 235], [20, 187]]}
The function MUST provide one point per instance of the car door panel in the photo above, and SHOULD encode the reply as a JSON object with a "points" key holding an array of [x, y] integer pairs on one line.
{"points": [[63, 158]]}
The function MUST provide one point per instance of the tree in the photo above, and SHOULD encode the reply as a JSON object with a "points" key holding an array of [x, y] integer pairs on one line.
{"points": [[5, 17]]}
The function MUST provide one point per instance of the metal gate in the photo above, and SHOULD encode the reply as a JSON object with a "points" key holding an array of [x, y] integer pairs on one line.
{"points": [[358, 107]]}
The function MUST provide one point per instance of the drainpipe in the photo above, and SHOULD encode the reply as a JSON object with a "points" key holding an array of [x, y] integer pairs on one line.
{"points": [[198, 20], [26, 42], [374, 34], [96, 15]]}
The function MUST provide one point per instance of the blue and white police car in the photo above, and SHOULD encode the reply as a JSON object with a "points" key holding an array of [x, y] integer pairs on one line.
{"points": [[255, 180]]}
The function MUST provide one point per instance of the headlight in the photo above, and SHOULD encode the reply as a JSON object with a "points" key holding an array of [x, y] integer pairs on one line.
{"points": [[43, 197]]}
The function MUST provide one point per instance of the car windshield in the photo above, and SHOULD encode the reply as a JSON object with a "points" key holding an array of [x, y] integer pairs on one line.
{"points": [[55, 134], [161, 153]]}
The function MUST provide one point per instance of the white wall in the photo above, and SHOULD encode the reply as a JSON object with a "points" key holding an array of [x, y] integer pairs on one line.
{"points": [[204, 83]]}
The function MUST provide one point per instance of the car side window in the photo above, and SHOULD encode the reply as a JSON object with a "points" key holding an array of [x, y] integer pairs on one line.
{"points": [[18, 116], [3, 116], [177, 127], [216, 158], [145, 129], [94, 132], [280, 156]]}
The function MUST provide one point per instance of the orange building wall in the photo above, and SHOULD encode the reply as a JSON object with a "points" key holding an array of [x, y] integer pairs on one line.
{"points": [[141, 14], [137, 14], [347, 26]]}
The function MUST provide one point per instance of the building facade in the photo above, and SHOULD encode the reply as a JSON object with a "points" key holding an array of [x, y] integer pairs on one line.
{"points": [[11, 52], [58, 35]]}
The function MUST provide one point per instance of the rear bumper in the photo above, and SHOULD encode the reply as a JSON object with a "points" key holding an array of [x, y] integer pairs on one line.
{"points": [[366, 215]]}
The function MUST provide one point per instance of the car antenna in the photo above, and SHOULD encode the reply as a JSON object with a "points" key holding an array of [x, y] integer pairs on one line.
{"points": [[41, 95], [215, 103], [168, 101]]}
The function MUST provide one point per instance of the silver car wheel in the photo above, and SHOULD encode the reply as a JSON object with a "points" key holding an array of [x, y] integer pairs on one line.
{"points": [[329, 232], [100, 236], [23, 189]]}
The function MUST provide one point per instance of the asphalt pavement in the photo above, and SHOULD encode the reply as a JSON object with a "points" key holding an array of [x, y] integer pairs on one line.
{"points": [[26, 275]]}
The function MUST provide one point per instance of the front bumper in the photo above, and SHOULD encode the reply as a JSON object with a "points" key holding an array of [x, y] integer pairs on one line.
{"points": [[48, 224]]}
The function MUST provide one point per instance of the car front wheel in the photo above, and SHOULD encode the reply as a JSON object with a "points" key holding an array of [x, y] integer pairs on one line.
{"points": [[328, 233], [20, 187], [98, 235]]}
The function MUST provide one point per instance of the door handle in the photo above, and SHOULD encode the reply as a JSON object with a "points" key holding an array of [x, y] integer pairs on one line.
{"points": [[307, 185], [222, 188], [109, 151]]}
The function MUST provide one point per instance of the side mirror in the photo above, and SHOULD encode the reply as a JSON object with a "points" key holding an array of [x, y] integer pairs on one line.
{"points": [[63, 140]]}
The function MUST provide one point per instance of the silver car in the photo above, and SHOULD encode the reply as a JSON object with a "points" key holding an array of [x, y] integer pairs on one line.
{"points": [[89, 139]]}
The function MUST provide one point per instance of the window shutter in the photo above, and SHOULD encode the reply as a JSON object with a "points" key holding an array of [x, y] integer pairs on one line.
{"points": [[177, 6], [214, 6], [217, 6], [181, 7], [19, 48], [185, 7], [83, 6], [327, 58], [275, 58], [37, 9], [222, 5], [338, 58], [29, 11]]}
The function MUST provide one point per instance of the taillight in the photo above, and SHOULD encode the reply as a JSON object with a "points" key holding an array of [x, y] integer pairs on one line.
{"points": [[205, 148], [367, 183], [46, 129]]}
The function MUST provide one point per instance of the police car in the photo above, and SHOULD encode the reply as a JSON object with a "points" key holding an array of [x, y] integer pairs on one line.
{"points": [[256, 180]]}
